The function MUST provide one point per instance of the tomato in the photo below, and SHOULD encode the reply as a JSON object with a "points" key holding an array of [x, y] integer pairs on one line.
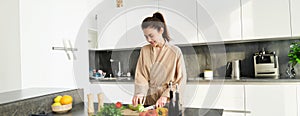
{"points": [[151, 113], [118, 105], [143, 113]]}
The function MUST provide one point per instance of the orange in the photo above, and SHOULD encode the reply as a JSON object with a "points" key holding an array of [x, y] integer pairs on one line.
{"points": [[66, 99]]}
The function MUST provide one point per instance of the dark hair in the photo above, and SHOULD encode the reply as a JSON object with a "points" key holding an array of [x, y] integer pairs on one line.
{"points": [[157, 22]]}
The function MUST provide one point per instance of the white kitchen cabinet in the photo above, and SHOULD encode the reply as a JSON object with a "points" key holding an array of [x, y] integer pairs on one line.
{"points": [[109, 38], [298, 99], [111, 24], [92, 25], [271, 100], [113, 92], [227, 97], [10, 68], [121, 28], [265, 19], [43, 25], [137, 11], [124, 29], [295, 15], [218, 20], [181, 20]]}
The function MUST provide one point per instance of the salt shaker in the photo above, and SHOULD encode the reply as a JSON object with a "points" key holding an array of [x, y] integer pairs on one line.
{"points": [[100, 101], [90, 104]]}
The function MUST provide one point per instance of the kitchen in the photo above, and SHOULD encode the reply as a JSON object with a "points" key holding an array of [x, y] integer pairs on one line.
{"points": [[241, 29]]}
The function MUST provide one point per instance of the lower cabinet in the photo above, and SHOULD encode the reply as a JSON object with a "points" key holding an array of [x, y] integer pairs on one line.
{"points": [[113, 92], [236, 100], [271, 100], [298, 99], [227, 97]]}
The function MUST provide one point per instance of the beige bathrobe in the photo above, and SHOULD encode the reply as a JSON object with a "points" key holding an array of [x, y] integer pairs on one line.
{"points": [[155, 70]]}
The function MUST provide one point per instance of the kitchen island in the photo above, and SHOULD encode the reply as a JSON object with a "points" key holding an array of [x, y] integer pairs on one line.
{"points": [[247, 96], [81, 110]]}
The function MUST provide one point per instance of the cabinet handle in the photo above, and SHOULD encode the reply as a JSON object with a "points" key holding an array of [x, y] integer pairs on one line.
{"points": [[237, 111], [66, 49]]}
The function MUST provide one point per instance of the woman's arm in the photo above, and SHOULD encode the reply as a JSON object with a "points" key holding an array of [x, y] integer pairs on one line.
{"points": [[141, 81]]}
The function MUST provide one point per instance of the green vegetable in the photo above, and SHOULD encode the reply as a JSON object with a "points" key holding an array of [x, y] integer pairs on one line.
{"points": [[110, 110], [139, 107], [130, 106]]}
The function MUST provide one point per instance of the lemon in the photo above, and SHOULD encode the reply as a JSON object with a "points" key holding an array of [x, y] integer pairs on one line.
{"points": [[56, 104], [57, 99]]}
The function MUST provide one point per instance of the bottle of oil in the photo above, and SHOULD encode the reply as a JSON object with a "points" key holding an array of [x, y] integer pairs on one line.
{"points": [[177, 103], [171, 108]]}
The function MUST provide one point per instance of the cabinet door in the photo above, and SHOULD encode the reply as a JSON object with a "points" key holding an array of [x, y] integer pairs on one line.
{"points": [[227, 97], [112, 33], [137, 11], [111, 24], [92, 25], [295, 8], [180, 17], [44, 24], [265, 19], [113, 92], [271, 100], [298, 98], [219, 20]]}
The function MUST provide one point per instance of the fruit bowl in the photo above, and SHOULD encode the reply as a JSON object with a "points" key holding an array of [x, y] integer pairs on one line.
{"points": [[62, 108]]}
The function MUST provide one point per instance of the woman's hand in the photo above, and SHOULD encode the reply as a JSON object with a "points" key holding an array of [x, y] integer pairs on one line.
{"points": [[138, 99], [161, 102]]}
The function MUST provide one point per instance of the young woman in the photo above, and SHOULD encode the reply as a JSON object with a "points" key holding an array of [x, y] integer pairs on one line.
{"points": [[159, 64]]}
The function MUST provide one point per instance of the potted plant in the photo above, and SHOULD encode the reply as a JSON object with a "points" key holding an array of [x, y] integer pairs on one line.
{"points": [[294, 55]]}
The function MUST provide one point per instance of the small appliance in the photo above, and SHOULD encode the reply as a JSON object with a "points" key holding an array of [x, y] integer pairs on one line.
{"points": [[266, 65], [233, 69]]}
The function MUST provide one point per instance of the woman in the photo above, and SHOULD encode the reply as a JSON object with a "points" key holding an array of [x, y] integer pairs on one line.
{"points": [[159, 63]]}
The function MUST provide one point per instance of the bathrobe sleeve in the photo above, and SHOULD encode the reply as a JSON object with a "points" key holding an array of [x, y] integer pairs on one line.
{"points": [[141, 80]]}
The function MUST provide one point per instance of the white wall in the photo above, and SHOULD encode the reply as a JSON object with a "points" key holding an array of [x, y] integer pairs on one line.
{"points": [[10, 71]]}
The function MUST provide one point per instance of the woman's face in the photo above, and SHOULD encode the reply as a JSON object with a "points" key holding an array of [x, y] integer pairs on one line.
{"points": [[153, 36]]}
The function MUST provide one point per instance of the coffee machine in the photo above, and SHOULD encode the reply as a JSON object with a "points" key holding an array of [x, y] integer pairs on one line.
{"points": [[266, 65]]}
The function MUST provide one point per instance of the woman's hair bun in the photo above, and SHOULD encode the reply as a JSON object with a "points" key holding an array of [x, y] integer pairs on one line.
{"points": [[159, 16]]}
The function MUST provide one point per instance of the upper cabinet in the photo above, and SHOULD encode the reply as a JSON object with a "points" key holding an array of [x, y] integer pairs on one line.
{"points": [[111, 24], [265, 19], [181, 20], [121, 27], [295, 15], [194, 21], [136, 12], [218, 20]]}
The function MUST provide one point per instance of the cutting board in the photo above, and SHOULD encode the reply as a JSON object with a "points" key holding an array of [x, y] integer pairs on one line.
{"points": [[128, 112]]}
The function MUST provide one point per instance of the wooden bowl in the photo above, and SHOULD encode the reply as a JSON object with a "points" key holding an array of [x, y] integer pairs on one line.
{"points": [[62, 108]]}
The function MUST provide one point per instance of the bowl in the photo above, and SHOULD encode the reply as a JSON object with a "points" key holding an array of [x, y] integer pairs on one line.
{"points": [[62, 108]]}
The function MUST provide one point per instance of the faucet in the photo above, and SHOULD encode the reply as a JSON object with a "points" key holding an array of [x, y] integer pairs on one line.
{"points": [[119, 73]]}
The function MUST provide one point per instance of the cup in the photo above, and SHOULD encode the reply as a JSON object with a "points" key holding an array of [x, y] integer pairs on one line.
{"points": [[208, 74]]}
